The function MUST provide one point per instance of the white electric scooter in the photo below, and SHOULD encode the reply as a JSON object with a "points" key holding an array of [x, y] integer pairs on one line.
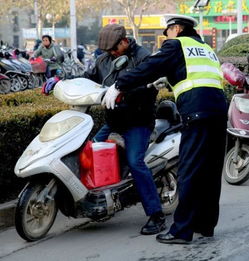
{"points": [[51, 162]]}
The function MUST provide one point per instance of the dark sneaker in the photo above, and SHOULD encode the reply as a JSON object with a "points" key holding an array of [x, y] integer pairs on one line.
{"points": [[154, 225]]}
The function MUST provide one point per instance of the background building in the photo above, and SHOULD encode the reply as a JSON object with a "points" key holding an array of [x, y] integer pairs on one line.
{"points": [[219, 19]]}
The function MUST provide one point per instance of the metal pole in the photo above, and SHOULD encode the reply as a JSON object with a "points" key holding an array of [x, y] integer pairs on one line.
{"points": [[239, 16], [230, 25], [36, 18], [73, 27], [201, 23]]}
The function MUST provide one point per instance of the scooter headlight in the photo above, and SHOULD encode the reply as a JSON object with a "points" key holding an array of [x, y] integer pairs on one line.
{"points": [[53, 130], [242, 104]]}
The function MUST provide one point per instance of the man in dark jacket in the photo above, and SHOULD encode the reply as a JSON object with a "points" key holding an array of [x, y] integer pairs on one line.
{"points": [[194, 74], [133, 118]]}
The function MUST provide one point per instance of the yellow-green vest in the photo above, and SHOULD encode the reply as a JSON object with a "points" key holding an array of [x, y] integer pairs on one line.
{"points": [[202, 66]]}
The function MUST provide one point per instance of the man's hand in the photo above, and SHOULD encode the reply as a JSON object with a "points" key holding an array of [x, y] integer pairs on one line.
{"points": [[159, 83], [110, 97]]}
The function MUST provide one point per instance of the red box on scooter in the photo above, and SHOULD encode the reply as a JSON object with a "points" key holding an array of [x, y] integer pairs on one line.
{"points": [[99, 164]]}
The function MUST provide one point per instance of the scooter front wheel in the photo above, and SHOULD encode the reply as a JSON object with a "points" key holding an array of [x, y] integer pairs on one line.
{"points": [[34, 217], [236, 171]]}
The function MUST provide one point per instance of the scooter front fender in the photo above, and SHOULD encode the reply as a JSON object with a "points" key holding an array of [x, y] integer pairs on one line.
{"points": [[3, 76], [240, 133], [64, 174]]}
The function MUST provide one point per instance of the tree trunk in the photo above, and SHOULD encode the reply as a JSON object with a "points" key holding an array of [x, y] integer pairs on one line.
{"points": [[135, 34], [53, 29], [39, 28]]}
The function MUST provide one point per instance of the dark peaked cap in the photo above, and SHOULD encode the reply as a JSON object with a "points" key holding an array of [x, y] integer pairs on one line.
{"points": [[111, 35]]}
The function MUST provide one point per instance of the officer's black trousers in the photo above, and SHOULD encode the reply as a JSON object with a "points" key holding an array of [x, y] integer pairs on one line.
{"points": [[201, 156]]}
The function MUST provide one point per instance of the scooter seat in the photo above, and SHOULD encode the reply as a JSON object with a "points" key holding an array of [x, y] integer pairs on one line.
{"points": [[160, 126]]}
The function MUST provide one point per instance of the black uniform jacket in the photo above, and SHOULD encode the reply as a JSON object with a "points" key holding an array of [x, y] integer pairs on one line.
{"points": [[169, 61], [137, 106]]}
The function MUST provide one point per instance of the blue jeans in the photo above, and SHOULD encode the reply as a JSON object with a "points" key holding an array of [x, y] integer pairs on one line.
{"points": [[136, 144], [102, 134]]}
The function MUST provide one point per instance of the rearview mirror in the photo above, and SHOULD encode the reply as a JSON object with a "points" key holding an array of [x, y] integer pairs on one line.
{"points": [[119, 62], [116, 65]]}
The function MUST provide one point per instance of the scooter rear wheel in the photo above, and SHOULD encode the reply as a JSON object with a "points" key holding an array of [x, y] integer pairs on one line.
{"points": [[168, 192], [237, 173], [24, 82], [33, 219]]}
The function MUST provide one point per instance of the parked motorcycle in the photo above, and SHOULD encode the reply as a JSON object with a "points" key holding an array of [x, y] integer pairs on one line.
{"points": [[11, 70], [236, 164], [52, 162], [27, 81], [5, 84], [71, 66]]}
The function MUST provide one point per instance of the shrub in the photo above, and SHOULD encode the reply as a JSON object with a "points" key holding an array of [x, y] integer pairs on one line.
{"points": [[22, 116], [235, 41], [240, 50]]}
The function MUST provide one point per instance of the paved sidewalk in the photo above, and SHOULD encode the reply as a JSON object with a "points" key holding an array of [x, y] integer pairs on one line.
{"points": [[7, 214]]}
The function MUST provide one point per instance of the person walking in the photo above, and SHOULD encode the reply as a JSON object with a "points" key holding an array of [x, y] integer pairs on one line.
{"points": [[193, 72], [133, 118]]}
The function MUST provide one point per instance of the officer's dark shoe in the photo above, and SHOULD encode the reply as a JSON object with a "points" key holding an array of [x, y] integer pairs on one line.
{"points": [[205, 233], [154, 225], [170, 239]]}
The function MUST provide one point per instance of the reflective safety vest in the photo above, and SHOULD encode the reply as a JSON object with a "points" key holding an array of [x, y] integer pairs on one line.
{"points": [[202, 66]]}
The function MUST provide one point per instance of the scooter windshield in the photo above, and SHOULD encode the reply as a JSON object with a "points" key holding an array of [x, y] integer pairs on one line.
{"points": [[242, 103]]}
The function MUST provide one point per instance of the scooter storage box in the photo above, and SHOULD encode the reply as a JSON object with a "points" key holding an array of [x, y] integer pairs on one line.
{"points": [[99, 164]]}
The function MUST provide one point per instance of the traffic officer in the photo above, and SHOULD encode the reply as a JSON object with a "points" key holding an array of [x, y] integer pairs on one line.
{"points": [[193, 72]]}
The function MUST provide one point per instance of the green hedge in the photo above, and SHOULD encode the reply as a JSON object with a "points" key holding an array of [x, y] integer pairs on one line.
{"points": [[240, 41], [239, 50], [22, 116]]}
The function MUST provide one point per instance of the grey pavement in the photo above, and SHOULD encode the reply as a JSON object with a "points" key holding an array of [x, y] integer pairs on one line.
{"points": [[119, 238], [7, 211]]}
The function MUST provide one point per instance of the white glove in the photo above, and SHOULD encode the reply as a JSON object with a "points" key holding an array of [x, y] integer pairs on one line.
{"points": [[159, 83], [110, 97]]}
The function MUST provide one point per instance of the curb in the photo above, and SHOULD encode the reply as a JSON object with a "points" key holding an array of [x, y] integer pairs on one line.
{"points": [[7, 214]]}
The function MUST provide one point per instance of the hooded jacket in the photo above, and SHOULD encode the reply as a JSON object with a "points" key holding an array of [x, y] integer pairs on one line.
{"points": [[48, 53], [137, 107]]}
